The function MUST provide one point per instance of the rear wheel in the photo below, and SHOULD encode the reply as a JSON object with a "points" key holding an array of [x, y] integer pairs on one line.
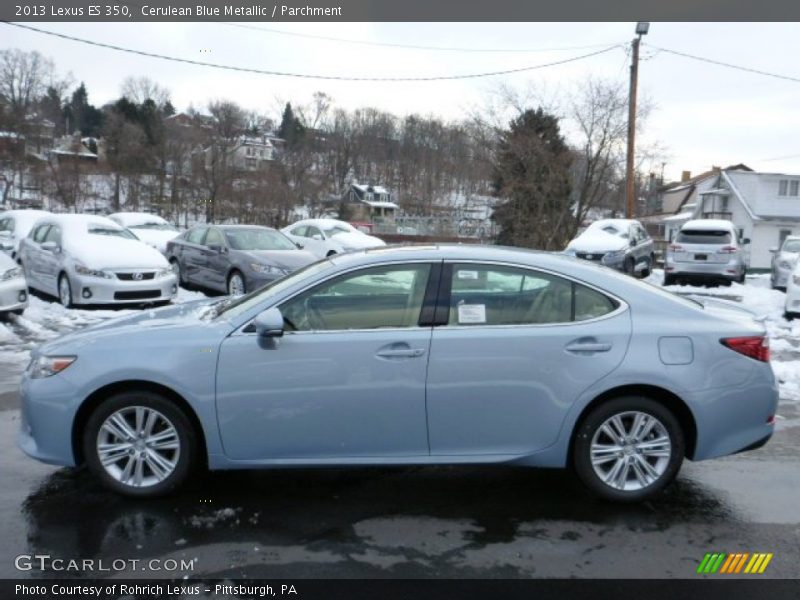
{"points": [[743, 276], [649, 268], [140, 444], [629, 266], [628, 449], [64, 291]]}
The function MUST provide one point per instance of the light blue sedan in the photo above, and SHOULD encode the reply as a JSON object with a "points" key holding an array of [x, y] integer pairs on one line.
{"points": [[409, 356]]}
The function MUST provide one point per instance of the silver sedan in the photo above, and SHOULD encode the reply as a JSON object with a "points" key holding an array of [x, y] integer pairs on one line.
{"points": [[84, 259]]}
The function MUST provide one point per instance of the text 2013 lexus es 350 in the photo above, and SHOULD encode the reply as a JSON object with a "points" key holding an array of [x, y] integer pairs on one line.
{"points": [[409, 356]]}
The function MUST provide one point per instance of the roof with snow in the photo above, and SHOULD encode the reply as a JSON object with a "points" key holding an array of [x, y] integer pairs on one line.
{"points": [[758, 193], [708, 225]]}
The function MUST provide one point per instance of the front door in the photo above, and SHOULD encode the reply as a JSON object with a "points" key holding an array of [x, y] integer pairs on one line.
{"points": [[347, 379], [518, 349]]}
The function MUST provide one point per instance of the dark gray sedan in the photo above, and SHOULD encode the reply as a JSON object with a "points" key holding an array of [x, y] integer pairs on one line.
{"points": [[234, 259]]}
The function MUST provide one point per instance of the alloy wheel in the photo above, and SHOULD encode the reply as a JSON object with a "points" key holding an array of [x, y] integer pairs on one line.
{"points": [[138, 446], [630, 451]]}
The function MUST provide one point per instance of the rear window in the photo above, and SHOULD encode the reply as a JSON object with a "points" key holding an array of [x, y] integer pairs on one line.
{"points": [[690, 236]]}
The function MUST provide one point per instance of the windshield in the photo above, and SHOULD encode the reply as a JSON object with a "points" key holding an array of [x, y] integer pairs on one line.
{"points": [[233, 307], [153, 226], [99, 229], [791, 246], [690, 236], [336, 230], [258, 239]]}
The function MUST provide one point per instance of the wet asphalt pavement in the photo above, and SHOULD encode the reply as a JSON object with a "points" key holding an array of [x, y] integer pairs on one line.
{"points": [[403, 522]]}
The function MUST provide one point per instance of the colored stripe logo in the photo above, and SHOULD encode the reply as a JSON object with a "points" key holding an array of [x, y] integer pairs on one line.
{"points": [[731, 564]]}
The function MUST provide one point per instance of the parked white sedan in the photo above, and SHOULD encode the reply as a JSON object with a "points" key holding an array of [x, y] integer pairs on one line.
{"points": [[85, 259], [325, 237], [151, 229], [13, 289]]}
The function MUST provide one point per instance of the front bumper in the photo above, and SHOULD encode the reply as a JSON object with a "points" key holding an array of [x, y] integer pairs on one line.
{"points": [[13, 294], [48, 408], [792, 305], [96, 290], [780, 277]]}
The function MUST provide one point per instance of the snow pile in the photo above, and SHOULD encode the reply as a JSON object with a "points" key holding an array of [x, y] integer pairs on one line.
{"points": [[217, 517]]}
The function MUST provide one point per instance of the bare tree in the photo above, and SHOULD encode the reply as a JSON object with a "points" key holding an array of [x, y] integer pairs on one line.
{"points": [[140, 89]]}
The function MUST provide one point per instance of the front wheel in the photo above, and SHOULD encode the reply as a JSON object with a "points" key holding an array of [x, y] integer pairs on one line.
{"points": [[628, 449], [64, 291], [236, 286], [140, 444]]}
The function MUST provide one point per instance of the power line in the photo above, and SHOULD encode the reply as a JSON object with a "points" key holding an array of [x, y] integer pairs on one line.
{"points": [[788, 156], [408, 46], [307, 75], [725, 64]]}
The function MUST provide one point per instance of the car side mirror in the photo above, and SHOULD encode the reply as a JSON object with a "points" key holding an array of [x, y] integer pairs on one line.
{"points": [[773, 250], [50, 247], [317, 237], [269, 323], [219, 249], [632, 242], [299, 245]]}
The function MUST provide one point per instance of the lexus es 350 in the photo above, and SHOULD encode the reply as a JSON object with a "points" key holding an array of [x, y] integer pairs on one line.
{"points": [[410, 356]]}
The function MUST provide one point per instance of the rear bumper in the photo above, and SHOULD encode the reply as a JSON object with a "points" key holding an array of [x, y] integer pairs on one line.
{"points": [[698, 270]]}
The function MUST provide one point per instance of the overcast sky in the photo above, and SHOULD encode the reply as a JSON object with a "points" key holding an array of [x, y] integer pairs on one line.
{"points": [[705, 114]]}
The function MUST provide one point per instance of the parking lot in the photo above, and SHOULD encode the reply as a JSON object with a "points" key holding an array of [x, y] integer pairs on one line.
{"points": [[407, 522]]}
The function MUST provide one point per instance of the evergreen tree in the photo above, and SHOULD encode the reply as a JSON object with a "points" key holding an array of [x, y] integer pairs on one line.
{"points": [[291, 129], [532, 175]]}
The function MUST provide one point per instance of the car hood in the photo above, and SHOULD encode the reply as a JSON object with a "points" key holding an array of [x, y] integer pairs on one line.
{"points": [[289, 260], [166, 319], [357, 240], [788, 256], [106, 252], [597, 241], [157, 238]]}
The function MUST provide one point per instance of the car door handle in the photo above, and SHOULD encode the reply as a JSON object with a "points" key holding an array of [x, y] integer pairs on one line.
{"points": [[400, 352], [580, 347]]}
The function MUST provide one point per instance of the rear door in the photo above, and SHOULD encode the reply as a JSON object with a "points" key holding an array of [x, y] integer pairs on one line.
{"points": [[214, 269], [31, 257], [50, 262], [518, 348], [192, 259]]}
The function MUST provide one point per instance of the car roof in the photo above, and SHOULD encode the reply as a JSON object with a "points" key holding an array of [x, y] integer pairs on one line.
{"points": [[76, 220], [708, 225], [241, 226], [320, 222]]}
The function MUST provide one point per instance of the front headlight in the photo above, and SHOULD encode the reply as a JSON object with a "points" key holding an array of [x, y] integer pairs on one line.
{"points": [[267, 269], [82, 270], [614, 255], [784, 264], [164, 272], [11, 274], [46, 366]]}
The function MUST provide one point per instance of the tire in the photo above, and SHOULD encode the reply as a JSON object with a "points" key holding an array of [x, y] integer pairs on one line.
{"points": [[236, 284], [669, 279], [743, 276], [629, 266], [649, 268], [176, 268], [639, 483], [157, 476], [65, 291], [789, 316], [18, 311]]}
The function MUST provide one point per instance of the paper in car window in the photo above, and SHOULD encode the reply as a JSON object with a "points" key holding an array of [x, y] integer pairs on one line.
{"points": [[471, 313], [467, 274]]}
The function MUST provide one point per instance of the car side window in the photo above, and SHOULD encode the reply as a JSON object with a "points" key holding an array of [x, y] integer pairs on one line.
{"points": [[195, 236], [214, 238], [300, 231], [498, 295], [373, 298], [53, 234], [311, 231], [40, 232], [7, 224]]}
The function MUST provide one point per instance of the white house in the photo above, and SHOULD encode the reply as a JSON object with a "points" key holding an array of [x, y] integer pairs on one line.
{"points": [[764, 207]]}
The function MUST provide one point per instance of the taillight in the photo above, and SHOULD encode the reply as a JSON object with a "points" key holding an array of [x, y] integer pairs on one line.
{"points": [[675, 248], [728, 250], [756, 347]]}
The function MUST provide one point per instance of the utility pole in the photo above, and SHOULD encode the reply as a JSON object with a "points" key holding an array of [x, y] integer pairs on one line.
{"points": [[630, 178]]}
